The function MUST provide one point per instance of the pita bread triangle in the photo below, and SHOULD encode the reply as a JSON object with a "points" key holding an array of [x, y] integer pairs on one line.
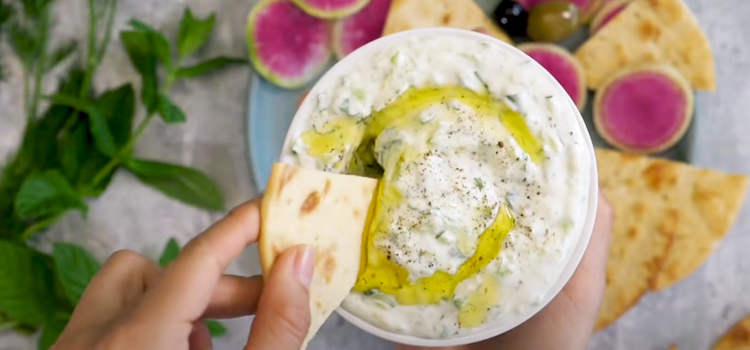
{"points": [[326, 211], [641, 234], [465, 14], [708, 210], [669, 217], [650, 31], [737, 338]]}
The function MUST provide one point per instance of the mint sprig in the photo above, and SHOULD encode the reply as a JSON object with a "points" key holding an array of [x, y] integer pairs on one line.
{"points": [[75, 139]]}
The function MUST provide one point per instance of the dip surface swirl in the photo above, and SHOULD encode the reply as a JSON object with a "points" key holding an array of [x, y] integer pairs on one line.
{"points": [[484, 181]]}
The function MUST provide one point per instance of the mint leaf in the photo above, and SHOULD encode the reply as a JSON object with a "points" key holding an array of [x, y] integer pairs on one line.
{"points": [[206, 66], [51, 332], [61, 53], [170, 252], [46, 194], [170, 112], [187, 185], [215, 328], [38, 152], [118, 108], [143, 57], [27, 284], [6, 11], [25, 43], [75, 267], [159, 42], [95, 162], [98, 126], [74, 148], [194, 33]]}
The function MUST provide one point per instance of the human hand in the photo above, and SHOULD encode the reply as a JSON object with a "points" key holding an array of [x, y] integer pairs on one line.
{"points": [[133, 304], [567, 322]]}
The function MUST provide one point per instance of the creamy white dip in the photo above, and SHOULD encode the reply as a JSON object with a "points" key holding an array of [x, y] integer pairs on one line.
{"points": [[462, 168]]}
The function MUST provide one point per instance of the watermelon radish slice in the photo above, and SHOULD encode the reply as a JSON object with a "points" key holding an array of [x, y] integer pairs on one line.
{"points": [[364, 26], [587, 7], [607, 13], [331, 9], [563, 66], [287, 46], [646, 109]]}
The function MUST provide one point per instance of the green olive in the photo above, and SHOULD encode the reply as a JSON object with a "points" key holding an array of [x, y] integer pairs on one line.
{"points": [[553, 21]]}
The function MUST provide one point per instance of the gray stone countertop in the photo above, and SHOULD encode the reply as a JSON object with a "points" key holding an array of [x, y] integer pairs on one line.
{"points": [[692, 314]]}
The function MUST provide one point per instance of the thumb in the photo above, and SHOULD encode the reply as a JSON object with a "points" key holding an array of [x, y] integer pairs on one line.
{"points": [[283, 316]]}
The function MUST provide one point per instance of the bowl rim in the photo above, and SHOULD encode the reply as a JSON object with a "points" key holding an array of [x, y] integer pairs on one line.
{"points": [[347, 64]]}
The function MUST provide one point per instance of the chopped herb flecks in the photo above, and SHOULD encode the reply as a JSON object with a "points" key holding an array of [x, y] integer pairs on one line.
{"points": [[479, 183]]}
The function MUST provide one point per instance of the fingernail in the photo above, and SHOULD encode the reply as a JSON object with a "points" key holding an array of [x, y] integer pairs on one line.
{"points": [[304, 264]]}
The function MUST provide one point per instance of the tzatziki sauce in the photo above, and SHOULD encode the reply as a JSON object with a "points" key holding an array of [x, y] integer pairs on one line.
{"points": [[485, 177]]}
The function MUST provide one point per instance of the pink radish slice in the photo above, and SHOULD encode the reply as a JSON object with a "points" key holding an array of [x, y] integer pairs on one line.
{"points": [[563, 66], [331, 9], [363, 27], [607, 14], [587, 7], [287, 46], [646, 109]]}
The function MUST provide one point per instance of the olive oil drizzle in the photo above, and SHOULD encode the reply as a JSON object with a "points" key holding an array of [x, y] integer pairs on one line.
{"points": [[376, 271]]}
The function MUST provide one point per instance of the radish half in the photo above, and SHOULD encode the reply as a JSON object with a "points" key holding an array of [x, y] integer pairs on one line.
{"points": [[287, 46], [331, 9], [607, 13], [361, 28], [645, 109], [563, 66]]}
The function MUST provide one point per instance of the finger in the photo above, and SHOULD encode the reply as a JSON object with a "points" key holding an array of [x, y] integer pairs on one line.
{"points": [[123, 278], [234, 297], [592, 271], [602, 234], [283, 317], [594, 262], [186, 286], [200, 337]]}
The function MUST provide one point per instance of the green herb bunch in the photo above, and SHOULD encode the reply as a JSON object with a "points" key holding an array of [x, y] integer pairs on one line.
{"points": [[75, 140]]}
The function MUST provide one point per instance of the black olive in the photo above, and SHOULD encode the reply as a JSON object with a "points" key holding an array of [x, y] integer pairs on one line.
{"points": [[511, 17]]}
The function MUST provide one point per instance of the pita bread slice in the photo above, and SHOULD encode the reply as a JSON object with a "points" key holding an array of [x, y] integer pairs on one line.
{"points": [[709, 202], [737, 338], [464, 14], [326, 211], [650, 31], [669, 217], [643, 229]]}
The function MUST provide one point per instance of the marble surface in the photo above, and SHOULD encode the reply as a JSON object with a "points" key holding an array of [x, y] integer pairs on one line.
{"points": [[129, 215]]}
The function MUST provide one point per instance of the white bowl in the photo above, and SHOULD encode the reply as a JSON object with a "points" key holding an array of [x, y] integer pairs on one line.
{"points": [[492, 328]]}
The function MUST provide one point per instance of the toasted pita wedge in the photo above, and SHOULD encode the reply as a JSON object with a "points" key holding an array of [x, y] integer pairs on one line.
{"points": [[669, 216], [737, 338], [650, 31], [709, 202], [326, 211], [464, 14], [643, 229]]}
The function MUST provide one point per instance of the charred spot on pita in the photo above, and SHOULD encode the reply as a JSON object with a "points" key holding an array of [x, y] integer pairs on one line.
{"points": [[310, 203]]}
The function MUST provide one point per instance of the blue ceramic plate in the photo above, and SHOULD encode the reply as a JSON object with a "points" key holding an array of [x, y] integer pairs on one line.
{"points": [[271, 110]]}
